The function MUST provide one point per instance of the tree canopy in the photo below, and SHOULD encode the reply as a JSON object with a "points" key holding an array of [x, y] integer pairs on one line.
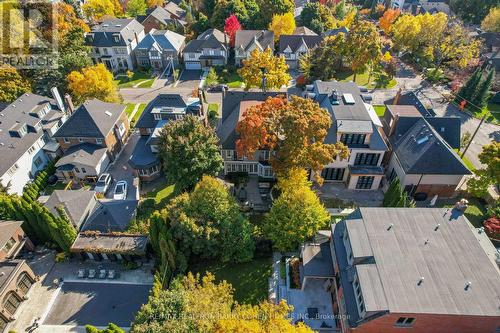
{"points": [[492, 21], [275, 70], [136, 7], [293, 130], [12, 84], [189, 150], [317, 17], [396, 196], [388, 19], [472, 11], [232, 25], [490, 175], [297, 214], [268, 8], [99, 10], [282, 25], [92, 82]]}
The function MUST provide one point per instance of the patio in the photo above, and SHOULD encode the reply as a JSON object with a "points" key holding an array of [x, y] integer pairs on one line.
{"points": [[336, 192]]}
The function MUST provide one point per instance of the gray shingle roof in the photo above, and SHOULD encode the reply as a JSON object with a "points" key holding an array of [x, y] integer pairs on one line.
{"points": [[174, 9], [210, 39], [451, 258], [296, 41], [19, 113], [7, 229], [111, 216], [162, 100], [422, 150], [85, 154], [163, 40], [103, 33], [304, 31], [142, 156], [76, 204], [93, 119], [334, 32], [158, 13], [244, 39]]}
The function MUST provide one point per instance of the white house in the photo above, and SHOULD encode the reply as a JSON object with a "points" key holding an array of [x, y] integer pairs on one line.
{"points": [[209, 49]]}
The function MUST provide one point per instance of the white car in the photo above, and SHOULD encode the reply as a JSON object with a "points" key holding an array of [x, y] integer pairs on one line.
{"points": [[103, 183], [120, 190]]}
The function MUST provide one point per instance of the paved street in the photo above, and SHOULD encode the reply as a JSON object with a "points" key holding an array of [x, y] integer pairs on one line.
{"points": [[432, 98]]}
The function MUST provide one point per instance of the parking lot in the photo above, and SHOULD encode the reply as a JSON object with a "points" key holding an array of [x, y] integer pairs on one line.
{"points": [[82, 303]]}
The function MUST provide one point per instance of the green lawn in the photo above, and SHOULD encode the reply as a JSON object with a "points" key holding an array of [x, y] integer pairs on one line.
{"points": [[491, 110], [124, 82], [57, 186], [213, 107], [476, 212], [466, 161], [130, 107], [249, 280], [162, 193], [234, 81], [380, 109], [362, 79], [140, 109]]}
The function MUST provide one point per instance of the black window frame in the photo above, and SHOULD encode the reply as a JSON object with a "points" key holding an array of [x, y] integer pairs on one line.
{"points": [[365, 182], [405, 322], [367, 159], [351, 138], [333, 173]]}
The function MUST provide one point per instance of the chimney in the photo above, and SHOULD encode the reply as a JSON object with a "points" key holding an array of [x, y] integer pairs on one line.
{"points": [[397, 97], [57, 97], [69, 103]]}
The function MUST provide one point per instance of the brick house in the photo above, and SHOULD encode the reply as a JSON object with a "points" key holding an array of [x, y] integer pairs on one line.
{"points": [[12, 239], [91, 138]]}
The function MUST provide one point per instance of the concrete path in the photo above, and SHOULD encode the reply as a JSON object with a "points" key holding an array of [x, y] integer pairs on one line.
{"points": [[134, 111]]}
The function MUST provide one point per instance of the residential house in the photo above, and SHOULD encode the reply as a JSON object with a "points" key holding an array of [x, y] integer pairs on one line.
{"points": [[175, 11], [335, 32], [91, 138], [77, 205], [303, 30], [13, 239], [160, 19], [293, 47], [26, 128], [234, 104], [113, 43], [211, 48], [159, 50], [164, 108], [246, 41], [423, 154], [400, 269], [104, 235], [16, 280], [355, 124]]}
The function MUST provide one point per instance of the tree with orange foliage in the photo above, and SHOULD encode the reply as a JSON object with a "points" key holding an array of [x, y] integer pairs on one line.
{"points": [[67, 19], [155, 3], [231, 25], [389, 17], [293, 131]]}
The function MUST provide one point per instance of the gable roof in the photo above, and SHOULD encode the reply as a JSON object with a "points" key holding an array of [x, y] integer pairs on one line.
{"points": [[421, 150], [147, 120], [210, 39], [93, 119], [244, 39], [7, 229], [304, 31], [452, 257], [85, 154], [158, 13], [111, 216], [103, 33], [28, 110], [162, 40], [233, 104], [174, 9], [75, 203], [296, 41]]}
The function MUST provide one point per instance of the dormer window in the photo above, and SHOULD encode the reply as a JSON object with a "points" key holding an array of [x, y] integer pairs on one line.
{"points": [[19, 130], [90, 38], [116, 38]]}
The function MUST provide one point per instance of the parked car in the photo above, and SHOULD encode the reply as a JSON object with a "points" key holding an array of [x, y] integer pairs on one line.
{"points": [[103, 183], [218, 88], [120, 190]]}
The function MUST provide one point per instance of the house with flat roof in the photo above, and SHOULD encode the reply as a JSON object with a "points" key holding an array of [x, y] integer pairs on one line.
{"points": [[355, 124], [423, 154], [246, 41], [411, 269], [211, 48], [27, 126], [113, 43], [91, 139]]}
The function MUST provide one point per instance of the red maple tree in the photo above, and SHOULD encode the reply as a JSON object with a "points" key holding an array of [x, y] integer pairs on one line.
{"points": [[231, 26]]}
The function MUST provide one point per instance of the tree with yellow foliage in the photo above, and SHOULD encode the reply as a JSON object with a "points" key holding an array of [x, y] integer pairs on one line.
{"points": [[264, 63], [282, 25], [155, 3], [67, 19], [386, 21], [265, 317], [492, 21], [99, 10], [12, 84], [92, 82]]}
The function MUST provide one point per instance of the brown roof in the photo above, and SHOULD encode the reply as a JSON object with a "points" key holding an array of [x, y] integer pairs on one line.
{"points": [[7, 229], [110, 243]]}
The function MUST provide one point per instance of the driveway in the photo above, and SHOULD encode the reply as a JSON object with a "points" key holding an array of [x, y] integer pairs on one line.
{"points": [[95, 303], [189, 79], [121, 170]]}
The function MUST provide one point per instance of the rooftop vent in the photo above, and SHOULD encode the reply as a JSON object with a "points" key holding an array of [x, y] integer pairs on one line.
{"points": [[467, 285], [107, 113], [437, 227], [422, 140], [390, 226], [334, 97], [349, 99], [420, 281]]}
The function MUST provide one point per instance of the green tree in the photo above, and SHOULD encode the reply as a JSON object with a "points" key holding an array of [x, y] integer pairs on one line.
{"points": [[212, 78], [189, 150], [297, 214], [136, 7], [396, 196], [225, 8], [12, 84], [483, 90], [468, 90], [112, 328], [268, 8], [473, 11], [317, 17], [275, 70], [361, 58], [327, 58], [490, 175]]}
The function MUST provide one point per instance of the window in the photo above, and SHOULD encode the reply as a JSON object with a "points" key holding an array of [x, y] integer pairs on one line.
{"points": [[104, 50], [24, 283], [229, 153], [116, 38], [83, 170], [10, 243], [366, 159], [405, 322], [353, 138], [13, 169], [364, 182], [121, 129], [11, 303], [392, 175], [31, 149], [66, 140], [3, 324], [333, 173], [77, 170], [157, 116], [38, 162], [80, 140], [191, 55], [98, 141]]}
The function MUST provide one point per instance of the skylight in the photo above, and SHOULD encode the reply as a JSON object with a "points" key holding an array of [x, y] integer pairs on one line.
{"points": [[422, 139], [348, 99]]}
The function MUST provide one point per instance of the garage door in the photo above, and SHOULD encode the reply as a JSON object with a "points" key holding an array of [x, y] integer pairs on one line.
{"points": [[193, 65]]}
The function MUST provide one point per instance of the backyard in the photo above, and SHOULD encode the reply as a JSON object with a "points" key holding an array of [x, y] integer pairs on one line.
{"points": [[138, 80], [249, 280], [364, 79], [476, 211], [380, 110]]}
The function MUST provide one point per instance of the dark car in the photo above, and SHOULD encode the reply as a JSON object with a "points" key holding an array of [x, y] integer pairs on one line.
{"points": [[218, 88]]}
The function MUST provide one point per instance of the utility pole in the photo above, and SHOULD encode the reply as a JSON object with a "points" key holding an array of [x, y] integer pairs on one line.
{"points": [[473, 135]]}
